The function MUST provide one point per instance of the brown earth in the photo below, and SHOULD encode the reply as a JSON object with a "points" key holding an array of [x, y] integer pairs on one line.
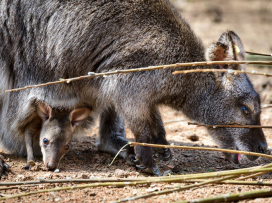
{"points": [[251, 20]]}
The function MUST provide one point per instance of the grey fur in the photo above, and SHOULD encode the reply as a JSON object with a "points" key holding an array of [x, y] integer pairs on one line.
{"points": [[43, 41], [53, 129]]}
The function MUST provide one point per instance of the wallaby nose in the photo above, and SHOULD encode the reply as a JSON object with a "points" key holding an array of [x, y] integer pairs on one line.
{"points": [[262, 147], [51, 166], [261, 150]]}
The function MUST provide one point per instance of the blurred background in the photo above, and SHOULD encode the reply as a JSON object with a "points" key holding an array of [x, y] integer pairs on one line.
{"points": [[250, 19]]}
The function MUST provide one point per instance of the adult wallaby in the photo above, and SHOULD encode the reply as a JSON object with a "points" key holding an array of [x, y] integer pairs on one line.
{"points": [[53, 129], [43, 41]]}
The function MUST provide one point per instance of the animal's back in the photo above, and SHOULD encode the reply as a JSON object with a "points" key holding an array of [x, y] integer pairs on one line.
{"points": [[42, 41]]}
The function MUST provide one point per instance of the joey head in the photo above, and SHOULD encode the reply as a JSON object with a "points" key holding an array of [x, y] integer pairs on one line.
{"points": [[55, 128]]}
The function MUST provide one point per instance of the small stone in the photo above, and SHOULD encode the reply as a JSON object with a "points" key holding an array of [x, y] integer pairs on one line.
{"points": [[48, 175], [84, 176], [193, 137], [167, 173], [21, 178], [56, 171], [120, 173], [152, 189], [170, 166]]}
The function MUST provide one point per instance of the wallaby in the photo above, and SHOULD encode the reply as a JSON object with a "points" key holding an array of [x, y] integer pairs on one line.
{"points": [[44, 40], [54, 128]]}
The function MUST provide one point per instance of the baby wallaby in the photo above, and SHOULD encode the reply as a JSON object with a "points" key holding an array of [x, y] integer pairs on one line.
{"points": [[55, 128]]}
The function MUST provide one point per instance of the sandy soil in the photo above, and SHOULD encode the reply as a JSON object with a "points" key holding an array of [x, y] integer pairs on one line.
{"points": [[251, 20]]}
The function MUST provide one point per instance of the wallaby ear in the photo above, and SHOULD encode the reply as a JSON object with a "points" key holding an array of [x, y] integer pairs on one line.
{"points": [[228, 47], [44, 111], [77, 116]]}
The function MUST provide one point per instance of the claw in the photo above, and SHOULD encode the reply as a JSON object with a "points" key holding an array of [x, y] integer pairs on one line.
{"points": [[6, 166], [154, 170], [165, 155], [137, 162], [161, 160], [132, 158], [161, 157], [168, 154], [25, 168], [141, 167]]}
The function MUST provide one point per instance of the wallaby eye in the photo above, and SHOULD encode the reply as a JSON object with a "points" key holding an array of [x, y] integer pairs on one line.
{"points": [[246, 111], [45, 141], [67, 147]]}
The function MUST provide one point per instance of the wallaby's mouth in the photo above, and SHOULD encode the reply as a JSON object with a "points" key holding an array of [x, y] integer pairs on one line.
{"points": [[239, 157], [236, 158], [263, 149]]}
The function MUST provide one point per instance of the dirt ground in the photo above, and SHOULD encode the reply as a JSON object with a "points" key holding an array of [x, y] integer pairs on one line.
{"points": [[251, 20]]}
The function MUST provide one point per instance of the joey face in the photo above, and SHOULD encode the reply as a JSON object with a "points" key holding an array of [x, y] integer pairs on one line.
{"points": [[57, 131], [55, 139]]}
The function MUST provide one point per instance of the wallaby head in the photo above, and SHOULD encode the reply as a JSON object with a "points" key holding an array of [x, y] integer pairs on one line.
{"points": [[56, 133], [234, 101]]}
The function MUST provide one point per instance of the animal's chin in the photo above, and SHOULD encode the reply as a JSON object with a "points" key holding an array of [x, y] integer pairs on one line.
{"points": [[235, 158], [252, 158]]}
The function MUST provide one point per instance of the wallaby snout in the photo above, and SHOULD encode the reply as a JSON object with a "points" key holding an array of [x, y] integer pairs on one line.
{"points": [[52, 157]]}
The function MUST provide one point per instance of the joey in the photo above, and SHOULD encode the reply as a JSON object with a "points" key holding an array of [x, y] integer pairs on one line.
{"points": [[55, 128]]}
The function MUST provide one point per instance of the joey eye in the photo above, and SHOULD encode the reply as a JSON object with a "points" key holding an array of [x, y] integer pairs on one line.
{"points": [[245, 111], [67, 146], [45, 141]]}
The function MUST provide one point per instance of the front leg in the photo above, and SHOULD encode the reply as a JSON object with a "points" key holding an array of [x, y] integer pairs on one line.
{"points": [[112, 136], [32, 130], [142, 130], [29, 149], [159, 135]]}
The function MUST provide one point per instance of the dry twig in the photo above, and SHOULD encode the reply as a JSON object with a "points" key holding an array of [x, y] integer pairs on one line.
{"points": [[178, 178], [233, 182], [232, 197], [256, 53], [92, 74], [201, 148], [222, 71], [175, 190], [266, 106], [229, 126]]}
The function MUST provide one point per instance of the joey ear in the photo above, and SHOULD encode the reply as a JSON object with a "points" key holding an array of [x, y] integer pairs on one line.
{"points": [[77, 116], [44, 111], [228, 47]]}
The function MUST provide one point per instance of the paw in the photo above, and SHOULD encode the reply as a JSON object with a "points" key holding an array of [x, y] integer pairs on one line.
{"points": [[144, 156], [29, 165], [165, 154], [3, 166], [153, 170]]}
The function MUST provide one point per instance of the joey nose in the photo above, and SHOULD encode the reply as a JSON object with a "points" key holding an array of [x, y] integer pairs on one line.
{"points": [[51, 166]]}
